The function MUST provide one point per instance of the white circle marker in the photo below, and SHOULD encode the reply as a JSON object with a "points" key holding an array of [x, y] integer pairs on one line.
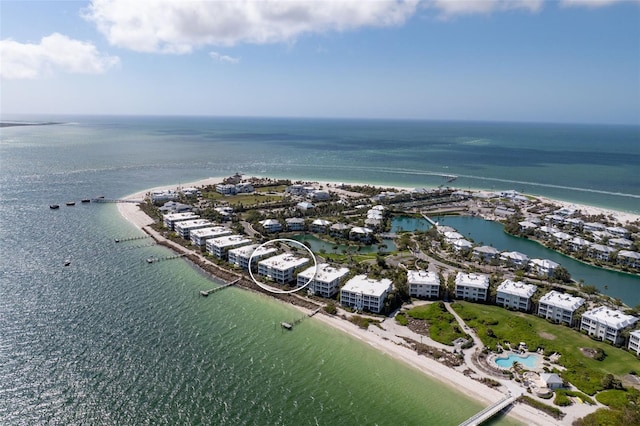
{"points": [[277, 290]]}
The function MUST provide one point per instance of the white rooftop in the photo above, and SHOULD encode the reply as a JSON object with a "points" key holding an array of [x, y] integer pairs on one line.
{"points": [[269, 222], [517, 288], [253, 249], [321, 222], [214, 230], [185, 224], [229, 240], [472, 280], [562, 300], [422, 277], [325, 273], [515, 255], [361, 230], [545, 263], [284, 261], [611, 317], [368, 286], [178, 216], [629, 254]]}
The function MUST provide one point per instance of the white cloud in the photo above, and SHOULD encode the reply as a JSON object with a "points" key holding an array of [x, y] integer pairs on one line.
{"points": [[169, 26], [54, 52], [594, 3], [223, 58], [468, 7]]}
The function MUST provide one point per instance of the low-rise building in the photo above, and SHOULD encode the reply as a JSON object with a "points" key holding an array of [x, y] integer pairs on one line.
{"points": [[634, 342], [461, 245], [170, 219], [226, 189], [629, 258], [618, 231], [472, 286], [552, 380], [358, 233], [543, 267], [515, 295], [295, 224], [514, 258], [593, 226], [184, 227], [600, 252], [559, 307], [319, 195], [221, 245], [271, 225], [240, 256], [325, 281], [624, 243], [363, 293], [199, 237], [320, 226], [486, 253], [577, 244], [339, 230], [281, 268], [423, 284], [163, 195], [607, 324]]}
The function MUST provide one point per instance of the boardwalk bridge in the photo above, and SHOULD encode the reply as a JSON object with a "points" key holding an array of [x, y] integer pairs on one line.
{"points": [[489, 412]]}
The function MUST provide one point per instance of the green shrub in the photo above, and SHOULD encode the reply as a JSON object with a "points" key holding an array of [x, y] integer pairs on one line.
{"points": [[402, 319]]}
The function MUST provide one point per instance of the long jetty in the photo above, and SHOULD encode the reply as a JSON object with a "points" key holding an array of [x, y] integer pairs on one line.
{"points": [[290, 325], [161, 259], [489, 412], [205, 293], [122, 240], [116, 200]]}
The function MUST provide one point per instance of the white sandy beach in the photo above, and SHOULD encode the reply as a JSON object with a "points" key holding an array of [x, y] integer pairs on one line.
{"points": [[386, 339]]}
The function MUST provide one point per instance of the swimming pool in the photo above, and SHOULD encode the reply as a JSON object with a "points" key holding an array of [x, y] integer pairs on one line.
{"points": [[529, 361]]}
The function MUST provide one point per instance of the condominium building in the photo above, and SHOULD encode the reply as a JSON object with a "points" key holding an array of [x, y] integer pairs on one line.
{"points": [[634, 342], [423, 284], [281, 268], [221, 245], [240, 256], [271, 225], [515, 295], [170, 219], [363, 293], [184, 227], [199, 237], [607, 324], [559, 307], [325, 282], [472, 286]]}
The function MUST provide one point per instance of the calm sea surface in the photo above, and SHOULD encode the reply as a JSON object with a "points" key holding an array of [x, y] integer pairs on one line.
{"points": [[113, 340]]}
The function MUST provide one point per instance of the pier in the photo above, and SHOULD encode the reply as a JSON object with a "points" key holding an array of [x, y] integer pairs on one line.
{"points": [[161, 259], [115, 200], [489, 412], [290, 325], [206, 293], [122, 240]]}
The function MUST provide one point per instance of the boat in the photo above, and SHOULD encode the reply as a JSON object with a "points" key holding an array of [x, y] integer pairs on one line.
{"points": [[67, 262], [54, 206], [86, 200], [71, 203]]}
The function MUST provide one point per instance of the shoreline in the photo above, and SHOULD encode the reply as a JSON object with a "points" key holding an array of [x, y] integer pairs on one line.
{"points": [[384, 341]]}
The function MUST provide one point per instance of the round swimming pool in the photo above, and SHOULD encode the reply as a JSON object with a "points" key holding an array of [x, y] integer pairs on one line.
{"points": [[529, 361]]}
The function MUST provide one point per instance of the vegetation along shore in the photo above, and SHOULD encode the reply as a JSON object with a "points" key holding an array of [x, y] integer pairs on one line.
{"points": [[503, 324]]}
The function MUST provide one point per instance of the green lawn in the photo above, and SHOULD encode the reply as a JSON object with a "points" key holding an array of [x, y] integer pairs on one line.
{"points": [[495, 324], [443, 326]]}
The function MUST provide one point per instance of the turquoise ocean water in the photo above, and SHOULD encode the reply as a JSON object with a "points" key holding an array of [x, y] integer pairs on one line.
{"points": [[113, 340]]}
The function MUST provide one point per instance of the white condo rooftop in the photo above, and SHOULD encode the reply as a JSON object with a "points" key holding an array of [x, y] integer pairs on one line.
{"points": [[423, 277], [472, 280], [562, 300], [284, 261], [326, 273], [611, 317], [367, 286], [517, 288]]}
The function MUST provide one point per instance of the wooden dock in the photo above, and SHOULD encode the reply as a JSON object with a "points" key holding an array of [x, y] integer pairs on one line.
{"points": [[206, 293], [489, 412], [290, 325], [161, 259], [140, 237]]}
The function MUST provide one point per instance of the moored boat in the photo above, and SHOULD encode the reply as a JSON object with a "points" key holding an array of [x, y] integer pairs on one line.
{"points": [[54, 206], [86, 200], [71, 203]]}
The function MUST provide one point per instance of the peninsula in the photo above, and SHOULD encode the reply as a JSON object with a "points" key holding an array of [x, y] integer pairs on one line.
{"points": [[493, 325]]}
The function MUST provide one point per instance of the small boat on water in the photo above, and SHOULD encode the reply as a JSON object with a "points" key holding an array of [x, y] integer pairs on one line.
{"points": [[86, 200], [71, 203], [54, 206], [67, 262]]}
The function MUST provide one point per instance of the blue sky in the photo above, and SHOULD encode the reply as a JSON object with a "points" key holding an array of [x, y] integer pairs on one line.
{"points": [[498, 60]]}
